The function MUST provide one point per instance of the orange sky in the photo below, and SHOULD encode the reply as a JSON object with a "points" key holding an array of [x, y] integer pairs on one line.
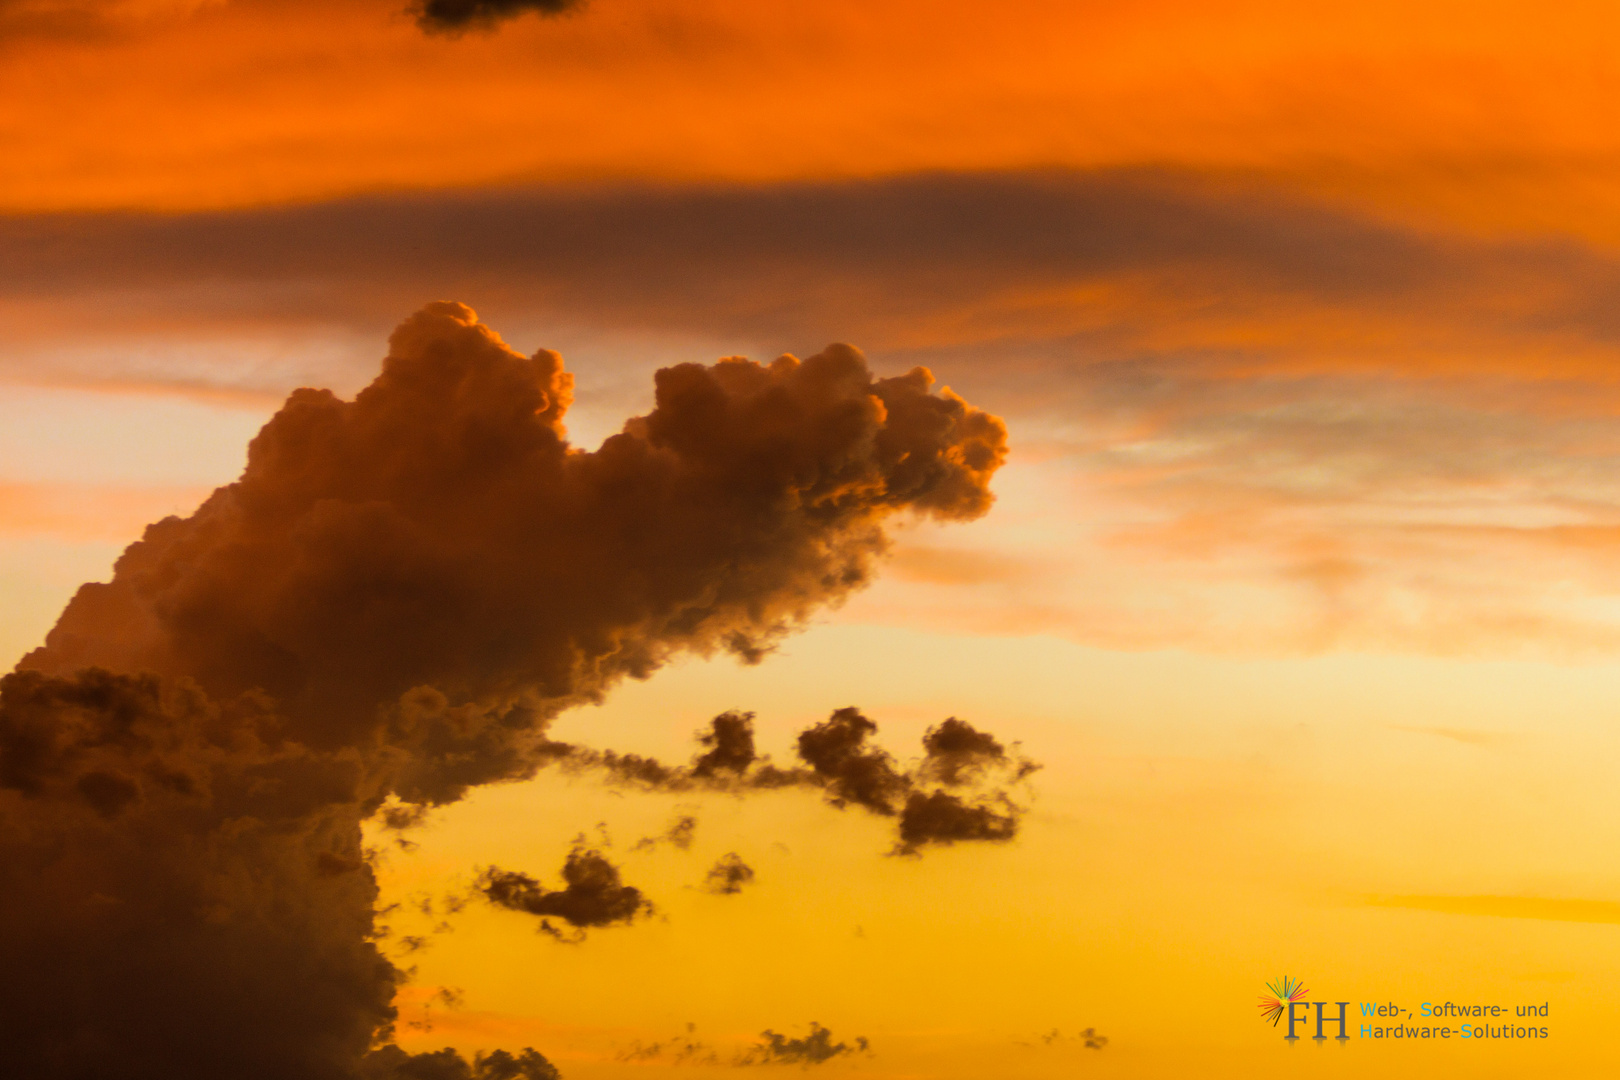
{"points": [[1302, 581], [1478, 112]]}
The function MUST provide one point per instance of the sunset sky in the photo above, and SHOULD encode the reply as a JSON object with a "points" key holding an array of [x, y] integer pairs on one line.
{"points": [[1302, 578]]}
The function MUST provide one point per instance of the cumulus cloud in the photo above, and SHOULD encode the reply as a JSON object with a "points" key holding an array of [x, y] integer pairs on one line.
{"points": [[957, 755], [386, 610], [592, 894], [730, 746], [439, 532], [941, 817], [852, 772], [456, 16]]}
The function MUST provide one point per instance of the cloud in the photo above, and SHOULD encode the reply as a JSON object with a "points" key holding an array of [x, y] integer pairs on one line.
{"points": [[816, 1048], [392, 1063], [157, 839], [850, 771], [680, 1050], [377, 547], [1250, 423], [679, 834], [730, 742], [943, 818], [728, 875], [457, 16], [1087, 1038], [386, 611], [592, 896], [102, 19], [957, 755], [1110, 264]]}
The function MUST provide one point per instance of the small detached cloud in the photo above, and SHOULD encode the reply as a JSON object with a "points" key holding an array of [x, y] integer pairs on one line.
{"points": [[958, 755], [1089, 1038], [956, 793], [815, 1048], [679, 834], [684, 1049], [728, 875], [593, 895]]}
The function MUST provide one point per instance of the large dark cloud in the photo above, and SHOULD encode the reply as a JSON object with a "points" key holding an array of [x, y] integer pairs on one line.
{"points": [[454, 16], [438, 531], [387, 609], [182, 888]]}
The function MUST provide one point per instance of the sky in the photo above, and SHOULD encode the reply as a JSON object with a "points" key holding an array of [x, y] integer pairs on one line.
{"points": [[1269, 503]]}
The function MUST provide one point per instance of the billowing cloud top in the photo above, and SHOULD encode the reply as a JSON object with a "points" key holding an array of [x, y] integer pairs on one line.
{"points": [[394, 599], [439, 530]]}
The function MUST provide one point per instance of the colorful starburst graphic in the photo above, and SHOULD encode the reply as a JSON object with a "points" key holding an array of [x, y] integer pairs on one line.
{"points": [[1280, 993]]}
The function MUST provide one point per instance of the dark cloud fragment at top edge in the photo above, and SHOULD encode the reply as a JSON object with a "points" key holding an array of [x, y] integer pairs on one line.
{"points": [[458, 16]]}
